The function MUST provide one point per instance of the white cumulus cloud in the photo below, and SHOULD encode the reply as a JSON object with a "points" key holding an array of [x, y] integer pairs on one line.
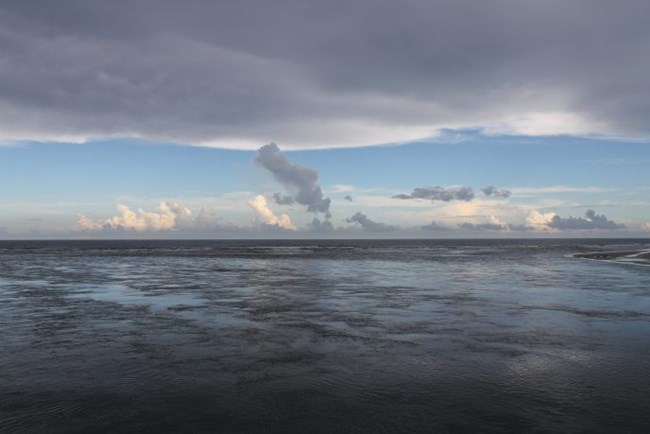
{"points": [[169, 216], [264, 214], [539, 221]]}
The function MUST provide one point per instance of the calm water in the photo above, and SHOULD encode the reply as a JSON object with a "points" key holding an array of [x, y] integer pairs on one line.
{"points": [[314, 336]]}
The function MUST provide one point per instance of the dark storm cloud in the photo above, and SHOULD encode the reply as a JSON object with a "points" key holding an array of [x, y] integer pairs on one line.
{"points": [[439, 194], [297, 178], [316, 73], [370, 225], [493, 191], [590, 221]]}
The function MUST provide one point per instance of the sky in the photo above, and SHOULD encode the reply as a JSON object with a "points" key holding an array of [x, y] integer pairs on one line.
{"points": [[319, 119]]}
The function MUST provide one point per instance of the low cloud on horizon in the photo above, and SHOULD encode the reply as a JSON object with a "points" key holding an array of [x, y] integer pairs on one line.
{"points": [[302, 188]]}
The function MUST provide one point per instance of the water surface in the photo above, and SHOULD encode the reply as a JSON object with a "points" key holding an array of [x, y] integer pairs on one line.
{"points": [[323, 336]]}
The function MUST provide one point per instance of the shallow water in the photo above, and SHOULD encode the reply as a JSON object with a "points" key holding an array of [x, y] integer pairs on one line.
{"points": [[323, 336]]}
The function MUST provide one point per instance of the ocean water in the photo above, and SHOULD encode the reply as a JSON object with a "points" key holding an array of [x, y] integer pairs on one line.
{"points": [[323, 336]]}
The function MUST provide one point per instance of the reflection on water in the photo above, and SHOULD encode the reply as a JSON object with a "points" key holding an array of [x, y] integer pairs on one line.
{"points": [[399, 336]]}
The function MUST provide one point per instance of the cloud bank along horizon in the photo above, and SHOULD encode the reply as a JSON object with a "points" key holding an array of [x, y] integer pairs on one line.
{"points": [[303, 194]]}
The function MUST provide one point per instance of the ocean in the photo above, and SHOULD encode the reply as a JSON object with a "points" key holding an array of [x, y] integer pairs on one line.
{"points": [[324, 336]]}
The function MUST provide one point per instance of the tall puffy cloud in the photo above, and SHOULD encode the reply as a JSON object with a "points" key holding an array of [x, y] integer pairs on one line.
{"points": [[370, 225], [266, 217], [590, 221], [491, 190], [439, 194], [301, 181]]}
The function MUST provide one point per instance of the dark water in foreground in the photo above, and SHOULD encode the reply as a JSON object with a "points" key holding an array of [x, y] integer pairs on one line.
{"points": [[315, 336]]}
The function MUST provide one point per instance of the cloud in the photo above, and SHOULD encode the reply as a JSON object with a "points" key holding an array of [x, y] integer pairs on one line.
{"points": [[173, 217], [493, 191], [320, 226], [539, 221], [341, 188], [282, 199], [298, 179], [370, 225], [554, 189], [495, 227], [544, 124], [207, 220], [434, 226], [333, 73], [170, 216], [483, 226], [520, 228], [439, 194], [266, 217], [348, 198], [590, 221]]}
